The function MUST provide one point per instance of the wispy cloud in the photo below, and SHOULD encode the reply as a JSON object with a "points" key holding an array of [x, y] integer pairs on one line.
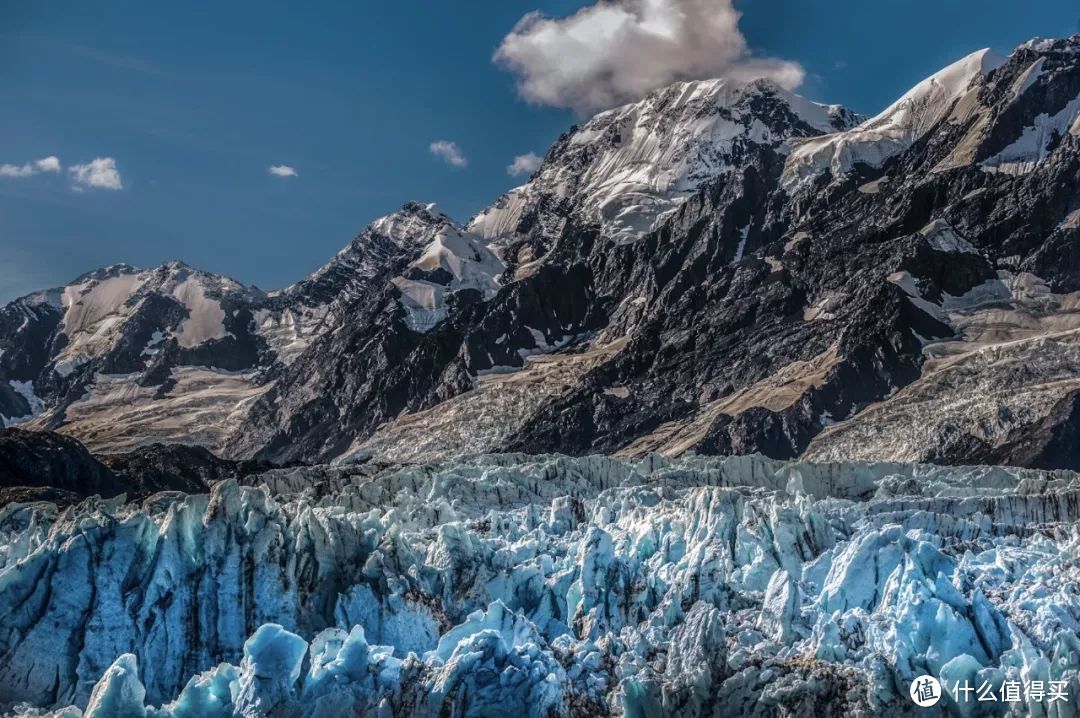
{"points": [[121, 62], [282, 171], [100, 173], [616, 51], [45, 164], [524, 164], [449, 153]]}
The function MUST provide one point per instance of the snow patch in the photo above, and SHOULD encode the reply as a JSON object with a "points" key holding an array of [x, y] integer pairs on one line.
{"points": [[206, 317], [895, 129], [1034, 144], [25, 389], [743, 234], [469, 263], [942, 237]]}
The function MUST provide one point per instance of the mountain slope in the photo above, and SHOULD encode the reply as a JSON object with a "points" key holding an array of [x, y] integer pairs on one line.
{"points": [[627, 169], [142, 325], [556, 290], [823, 322]]}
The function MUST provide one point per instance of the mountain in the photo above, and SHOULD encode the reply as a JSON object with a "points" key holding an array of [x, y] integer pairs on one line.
{"points": [[627, 170], [105, 355], [720, 268], [644, 159], [862, 316], [832, 297], [124, 358]]}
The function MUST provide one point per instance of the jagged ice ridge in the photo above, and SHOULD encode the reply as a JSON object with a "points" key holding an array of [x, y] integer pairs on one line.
{"points": [[543, 586]]}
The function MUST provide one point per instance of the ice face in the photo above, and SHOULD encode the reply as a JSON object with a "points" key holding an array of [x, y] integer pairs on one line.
{"points": [[544, 586]]}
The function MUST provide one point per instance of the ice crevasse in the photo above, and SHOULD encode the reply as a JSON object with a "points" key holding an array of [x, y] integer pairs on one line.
{"points": [[546, 586]]}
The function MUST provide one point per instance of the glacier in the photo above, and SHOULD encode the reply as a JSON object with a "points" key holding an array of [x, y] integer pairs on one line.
{"points": [[546, 586]]}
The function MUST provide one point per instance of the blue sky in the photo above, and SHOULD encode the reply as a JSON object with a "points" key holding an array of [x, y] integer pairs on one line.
{"points": [[195, 101]]}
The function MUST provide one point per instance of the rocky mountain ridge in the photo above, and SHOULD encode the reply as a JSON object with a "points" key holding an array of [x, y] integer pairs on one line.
{"points": [[719, 268]]}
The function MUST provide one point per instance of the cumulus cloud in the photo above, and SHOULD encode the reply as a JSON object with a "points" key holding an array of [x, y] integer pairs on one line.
{"points": [[524, 164], [616, 51], [282, 171], [100, 173], [448, 152], [45, 164]]}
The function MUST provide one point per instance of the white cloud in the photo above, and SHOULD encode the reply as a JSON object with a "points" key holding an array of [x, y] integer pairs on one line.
{"points": [[282, 171], [448, 152], [99, 173], [616, 51], [524, 164], [45, 164]]}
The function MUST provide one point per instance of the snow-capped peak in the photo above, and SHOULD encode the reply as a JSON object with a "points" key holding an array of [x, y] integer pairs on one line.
{"points": [[897, 127], [454, 260], [413, 224], [97, 304], [627, 168]]}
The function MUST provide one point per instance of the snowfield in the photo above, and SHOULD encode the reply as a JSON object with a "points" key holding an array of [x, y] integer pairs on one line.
{"points": [[897, 127], [547, 586], [631, 167]]}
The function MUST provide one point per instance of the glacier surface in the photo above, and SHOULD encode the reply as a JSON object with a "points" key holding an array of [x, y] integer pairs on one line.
{"points": [[545, 586]]}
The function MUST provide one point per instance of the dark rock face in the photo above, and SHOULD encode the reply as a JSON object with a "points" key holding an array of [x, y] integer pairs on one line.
{"points": [[39, 460], [45, 466], [714, 327], [175, 467]]}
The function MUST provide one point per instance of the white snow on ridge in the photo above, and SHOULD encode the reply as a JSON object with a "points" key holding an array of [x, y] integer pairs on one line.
{"points": [[206, 317], [1028, 78], [896, 128], [743, 234], [943, 237], [290, 331], [92, 310], [26, 390], [416, 227], [98, 305], [465, 258], [462, 255], [1033, 145], [629, 167]]}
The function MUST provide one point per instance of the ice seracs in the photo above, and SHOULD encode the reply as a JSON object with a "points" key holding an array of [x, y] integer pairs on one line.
{"points": [[543, 586]]}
